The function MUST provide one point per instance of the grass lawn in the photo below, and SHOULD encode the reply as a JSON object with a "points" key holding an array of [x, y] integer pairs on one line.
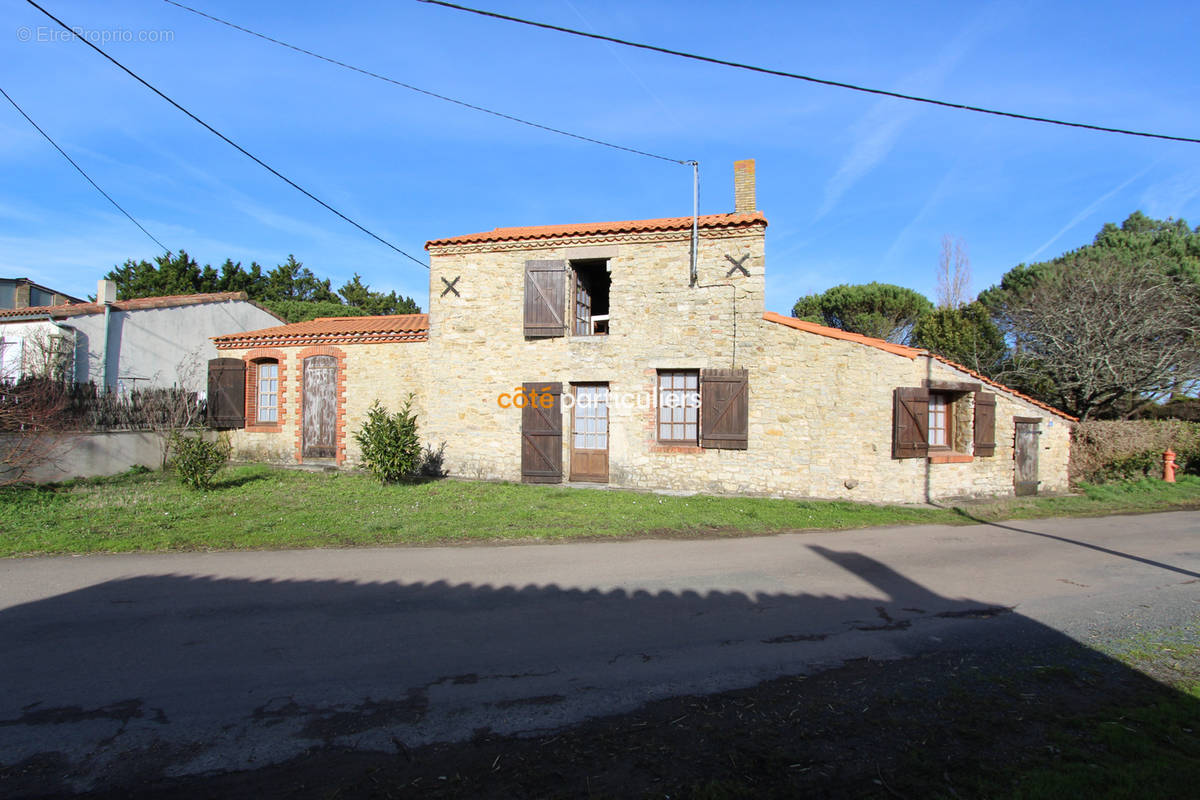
{"points": [[260, 507]]}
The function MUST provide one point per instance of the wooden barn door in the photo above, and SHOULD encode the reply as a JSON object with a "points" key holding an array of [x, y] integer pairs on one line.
{"points": [[320, 407], [1025, 453], [541, 435], [589, 434]]}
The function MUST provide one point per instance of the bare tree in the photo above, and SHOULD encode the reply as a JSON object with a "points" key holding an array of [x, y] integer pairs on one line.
{"points": [[1094, 333], [954, 274], [34, 407]]}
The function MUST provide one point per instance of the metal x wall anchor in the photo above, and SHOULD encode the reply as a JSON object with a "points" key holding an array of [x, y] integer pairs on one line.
{"points": [[738, 263], [450, 286]]}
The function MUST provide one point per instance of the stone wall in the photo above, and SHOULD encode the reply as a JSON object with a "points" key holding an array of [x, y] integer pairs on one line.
{"points": [[385, 372], [820, 408]]}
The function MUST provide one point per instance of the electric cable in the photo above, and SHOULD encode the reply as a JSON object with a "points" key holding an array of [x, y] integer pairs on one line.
{"points": [[107, 196], [811, 79], [229, 141], [418, 89]]}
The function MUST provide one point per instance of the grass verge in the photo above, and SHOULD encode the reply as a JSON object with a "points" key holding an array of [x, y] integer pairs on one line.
{"points": [[259, 507]]}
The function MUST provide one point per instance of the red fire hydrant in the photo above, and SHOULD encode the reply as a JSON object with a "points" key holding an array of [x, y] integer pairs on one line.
{"points": [[1169, 466]]}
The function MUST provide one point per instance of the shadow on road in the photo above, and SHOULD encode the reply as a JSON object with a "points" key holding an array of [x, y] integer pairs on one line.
{"points": [[126, 685], [1106, 550]]}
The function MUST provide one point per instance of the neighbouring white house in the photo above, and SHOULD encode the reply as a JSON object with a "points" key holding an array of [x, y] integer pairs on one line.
{"points": [[125, 345]]}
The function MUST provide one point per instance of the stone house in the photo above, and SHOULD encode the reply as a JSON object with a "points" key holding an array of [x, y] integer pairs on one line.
{"points": [[622, 353]]}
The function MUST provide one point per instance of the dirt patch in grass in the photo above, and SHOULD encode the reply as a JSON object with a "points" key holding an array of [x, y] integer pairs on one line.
{"points": [[1064, 722]]}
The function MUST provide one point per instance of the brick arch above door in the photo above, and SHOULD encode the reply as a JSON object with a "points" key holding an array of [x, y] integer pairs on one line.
{"points": [[340, 425]]}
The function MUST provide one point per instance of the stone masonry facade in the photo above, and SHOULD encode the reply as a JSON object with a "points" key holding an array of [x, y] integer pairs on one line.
{"points": [[820, 409]]}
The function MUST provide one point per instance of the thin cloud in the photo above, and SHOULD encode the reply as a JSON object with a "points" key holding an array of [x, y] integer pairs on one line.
{"points": [[877, 132], [935, 198], [1086, 212]]}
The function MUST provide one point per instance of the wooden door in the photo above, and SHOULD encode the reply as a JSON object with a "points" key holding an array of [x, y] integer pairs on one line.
{"points": [[541, 433], [589, 433], [319, 421], [1025, 454]]}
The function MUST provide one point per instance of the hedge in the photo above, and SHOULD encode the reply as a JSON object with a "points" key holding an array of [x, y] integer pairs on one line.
{"points": [[1106, 450]]}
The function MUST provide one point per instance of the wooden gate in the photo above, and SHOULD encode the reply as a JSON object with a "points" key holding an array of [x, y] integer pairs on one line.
{"points": [[589, 434], [320, 407], [1025, 454]]}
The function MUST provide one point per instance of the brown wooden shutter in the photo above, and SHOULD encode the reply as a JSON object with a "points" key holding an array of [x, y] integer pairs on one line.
{"points": [[724, 408], [227, 393], [545, 298], [985, 424], [910, 423], [541, 435]]}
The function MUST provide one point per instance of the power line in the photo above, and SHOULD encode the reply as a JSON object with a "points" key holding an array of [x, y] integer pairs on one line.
{"points": [[229, 141], [810, 79], [81, 172], [426, 92]]}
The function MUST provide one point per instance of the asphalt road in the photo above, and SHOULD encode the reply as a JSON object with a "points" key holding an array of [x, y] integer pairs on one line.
{"points": [[115, 667]]}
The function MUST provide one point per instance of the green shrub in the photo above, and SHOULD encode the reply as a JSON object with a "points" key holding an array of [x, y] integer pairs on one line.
{"points": [[391, 448], [197, 460], [432, 461]]}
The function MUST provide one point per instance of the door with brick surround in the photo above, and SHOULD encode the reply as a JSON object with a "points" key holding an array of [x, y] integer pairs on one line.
{"points": [[319, 429], [589, 433]]}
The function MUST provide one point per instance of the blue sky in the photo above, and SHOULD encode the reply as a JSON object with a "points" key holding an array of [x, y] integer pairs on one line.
{"points": [[857, 188]]}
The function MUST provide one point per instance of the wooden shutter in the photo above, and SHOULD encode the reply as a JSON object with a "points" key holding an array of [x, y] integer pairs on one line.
{"points": [[910, 423], [724, 408], [541, 435], [545, 298], [227, 393], [985, 424]]}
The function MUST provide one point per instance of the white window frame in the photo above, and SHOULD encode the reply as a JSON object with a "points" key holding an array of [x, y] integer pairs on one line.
{"points": [[267, 413]]}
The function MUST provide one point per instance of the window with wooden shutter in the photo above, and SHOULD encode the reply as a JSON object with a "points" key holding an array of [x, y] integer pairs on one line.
{"points": [[226, 393], [541, 433], [545, 299], [985, 424], [910, 423], [724, 408]]}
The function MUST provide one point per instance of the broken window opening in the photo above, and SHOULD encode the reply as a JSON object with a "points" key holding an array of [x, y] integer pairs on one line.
{"points": [[591, 285]]}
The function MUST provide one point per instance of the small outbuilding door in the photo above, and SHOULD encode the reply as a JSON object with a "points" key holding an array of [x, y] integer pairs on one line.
{"points": [[1025, 454], [320, 407], [589, 433], [541, 432]]}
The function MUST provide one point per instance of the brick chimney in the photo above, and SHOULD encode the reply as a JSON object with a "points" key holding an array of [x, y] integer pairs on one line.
{"points": [[743, 187]]}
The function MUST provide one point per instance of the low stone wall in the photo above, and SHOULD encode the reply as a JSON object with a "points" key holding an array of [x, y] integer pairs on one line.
{"points": [[96, 454]]}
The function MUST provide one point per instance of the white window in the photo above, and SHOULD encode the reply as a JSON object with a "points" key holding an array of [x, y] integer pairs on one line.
{"points": [[679, 407], [939, 420], [268, 392]]}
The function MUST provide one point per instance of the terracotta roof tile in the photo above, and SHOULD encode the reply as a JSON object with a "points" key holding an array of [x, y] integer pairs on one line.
{"points": [[838, 333], [708, 221], [903, 350], [137, 304], [998, 385], [325, 330]]}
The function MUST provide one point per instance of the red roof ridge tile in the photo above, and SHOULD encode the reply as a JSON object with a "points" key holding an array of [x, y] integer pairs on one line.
{"points": [[906, 351], [998, 385], [838, 333], [706, 221], [394, 327]]}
